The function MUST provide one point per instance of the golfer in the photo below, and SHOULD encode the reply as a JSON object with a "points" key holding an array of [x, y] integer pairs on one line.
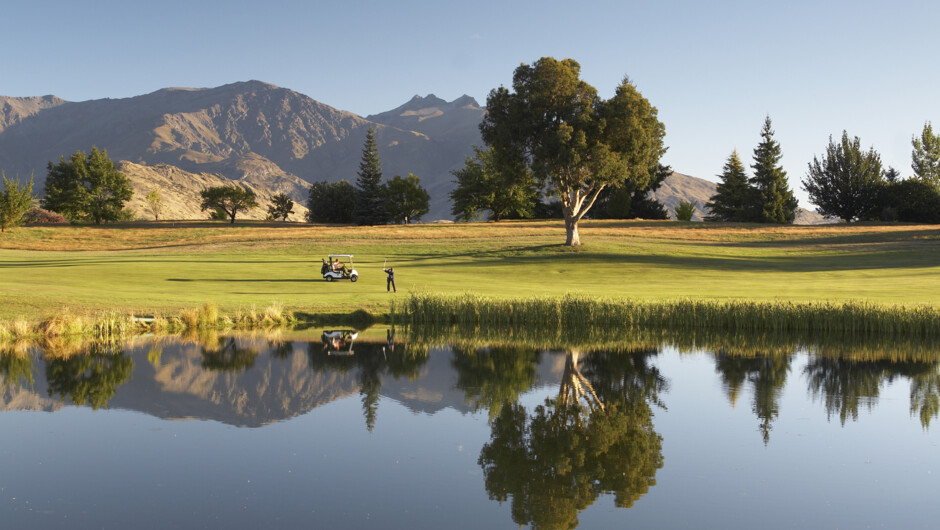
{"points": [[390, 284]]}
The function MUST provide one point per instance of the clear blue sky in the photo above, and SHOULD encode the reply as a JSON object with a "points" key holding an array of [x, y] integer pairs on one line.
{"points": [[713, 69]]}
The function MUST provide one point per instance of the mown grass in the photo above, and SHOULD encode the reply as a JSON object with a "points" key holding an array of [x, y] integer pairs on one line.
{"points": [[166, 268]]}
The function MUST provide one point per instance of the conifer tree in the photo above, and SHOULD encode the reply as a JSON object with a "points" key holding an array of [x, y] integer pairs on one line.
{"points": [[926, 156], [370, 209], [734, 195], [775, 202]]}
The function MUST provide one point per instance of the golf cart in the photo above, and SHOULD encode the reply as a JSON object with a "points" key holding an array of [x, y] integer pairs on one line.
{"points": [[339, 342], [334, 268]]}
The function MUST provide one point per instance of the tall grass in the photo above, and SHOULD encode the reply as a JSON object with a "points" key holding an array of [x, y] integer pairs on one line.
{"points": [[572, 312]]}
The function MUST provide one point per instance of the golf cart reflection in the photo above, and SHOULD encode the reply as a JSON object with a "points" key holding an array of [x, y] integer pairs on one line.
{"points": [[339, 342]]}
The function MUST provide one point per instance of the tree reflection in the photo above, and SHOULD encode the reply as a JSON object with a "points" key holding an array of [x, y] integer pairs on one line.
{"points": [[493, 376], [925, 395], [596, 436], [91, 377], [845, 385], [224, 354], [16, 367], [767, 374]]}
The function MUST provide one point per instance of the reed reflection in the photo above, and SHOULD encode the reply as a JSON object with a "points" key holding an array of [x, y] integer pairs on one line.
{"points": [[596, 436]]}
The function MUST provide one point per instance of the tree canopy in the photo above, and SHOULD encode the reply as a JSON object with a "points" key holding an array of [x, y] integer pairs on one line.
{"points": [[87, 188], [574, 142], [331, 202], [15, 201], [846, 181], [228, 199], [484, 186], [405, 199]]}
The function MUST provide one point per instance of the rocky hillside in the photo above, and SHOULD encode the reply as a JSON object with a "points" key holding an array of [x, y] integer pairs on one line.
{"points": [[179, 191]]}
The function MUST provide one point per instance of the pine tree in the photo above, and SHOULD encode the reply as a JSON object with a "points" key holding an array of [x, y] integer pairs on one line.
{"points": [[370, 209], [734, 195], [775, 201]]}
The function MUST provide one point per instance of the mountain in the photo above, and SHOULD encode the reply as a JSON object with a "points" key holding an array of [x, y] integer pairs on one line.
{"points": [[269, 138], [248, 131], [678, 187]]}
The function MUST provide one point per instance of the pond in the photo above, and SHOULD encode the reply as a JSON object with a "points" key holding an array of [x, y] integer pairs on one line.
{"points": [[343, 429]]}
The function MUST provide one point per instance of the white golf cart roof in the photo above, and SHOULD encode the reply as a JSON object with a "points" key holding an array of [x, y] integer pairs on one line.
{"points": [[331, 256]]}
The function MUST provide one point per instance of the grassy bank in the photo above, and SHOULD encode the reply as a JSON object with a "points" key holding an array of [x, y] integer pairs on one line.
{"points": [[169, 268], [573, 313]]}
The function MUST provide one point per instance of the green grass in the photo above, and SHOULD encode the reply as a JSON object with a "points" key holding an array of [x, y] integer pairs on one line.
{"points": [[163, 268]]}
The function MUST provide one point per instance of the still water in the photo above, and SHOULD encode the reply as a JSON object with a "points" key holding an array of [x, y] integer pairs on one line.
{"points": [[376, 431]]}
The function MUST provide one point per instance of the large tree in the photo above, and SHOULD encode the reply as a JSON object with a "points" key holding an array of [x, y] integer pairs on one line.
{"points": [[775, 200], [405, 199], [846, 182], [926, 156], [733, 197], [483, 185], [228, 199], [574, 142], [87, 188], [15, 201], [370, 208]]}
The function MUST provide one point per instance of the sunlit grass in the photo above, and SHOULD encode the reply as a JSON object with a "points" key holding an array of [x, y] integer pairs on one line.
{"points": [[159, 270]]}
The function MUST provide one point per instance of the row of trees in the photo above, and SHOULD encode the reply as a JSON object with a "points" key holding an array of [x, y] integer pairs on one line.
{"points": [[846, 182], [89, 188], [851, 184], [370, 202]]}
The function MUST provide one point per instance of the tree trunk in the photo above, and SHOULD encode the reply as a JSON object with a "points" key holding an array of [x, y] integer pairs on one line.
{"points": [[571, 232]]}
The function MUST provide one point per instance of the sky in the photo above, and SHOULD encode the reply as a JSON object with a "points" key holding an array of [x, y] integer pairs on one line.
{"points": [[714, 69]]}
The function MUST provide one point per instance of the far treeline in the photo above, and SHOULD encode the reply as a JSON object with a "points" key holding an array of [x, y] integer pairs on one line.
{"points": [[552, 149]]}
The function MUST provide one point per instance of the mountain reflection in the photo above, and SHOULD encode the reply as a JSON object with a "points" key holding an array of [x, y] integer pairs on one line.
{"points": [[596, 436]]}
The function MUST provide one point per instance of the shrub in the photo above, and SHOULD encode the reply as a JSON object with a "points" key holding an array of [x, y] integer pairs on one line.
{"points": [[685, 210], [38, 216]]}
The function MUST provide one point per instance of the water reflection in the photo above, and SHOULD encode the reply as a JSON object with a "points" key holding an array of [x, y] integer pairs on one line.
{"points": [[550, 459], [596, 436]]}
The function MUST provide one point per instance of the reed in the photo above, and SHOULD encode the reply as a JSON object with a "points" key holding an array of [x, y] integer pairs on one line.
{"points": [[573, 311]]}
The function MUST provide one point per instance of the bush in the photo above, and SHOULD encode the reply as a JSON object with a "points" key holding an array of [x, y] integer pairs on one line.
{"points": [[910, 201], [38, 216]]}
